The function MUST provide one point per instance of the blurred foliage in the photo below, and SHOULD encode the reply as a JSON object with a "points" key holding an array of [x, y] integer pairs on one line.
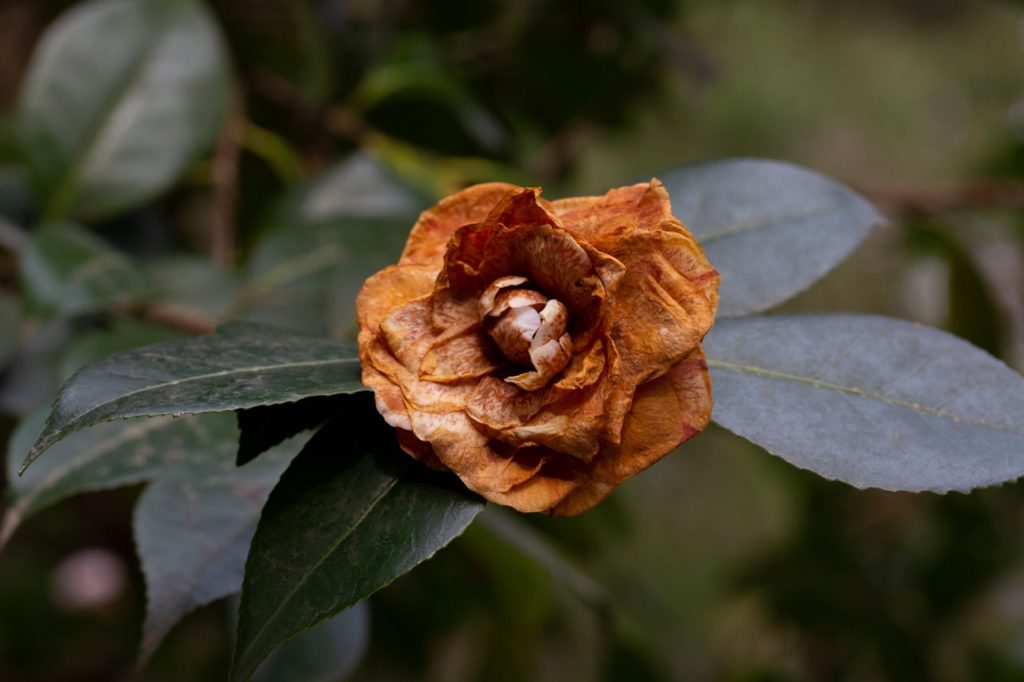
{"points": [[724, 563]]}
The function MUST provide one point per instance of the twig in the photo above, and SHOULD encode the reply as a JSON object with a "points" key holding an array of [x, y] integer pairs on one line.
{"points": [[336, 119], [225, 183], [984, 194], [174, 317]]}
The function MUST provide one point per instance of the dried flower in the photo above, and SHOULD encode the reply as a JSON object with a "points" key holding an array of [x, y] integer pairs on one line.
{"points": [[542, 351]]}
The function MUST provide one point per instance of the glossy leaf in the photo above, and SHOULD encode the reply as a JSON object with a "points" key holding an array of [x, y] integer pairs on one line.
{"points": [[108, 456], [193, 526], [65, 269], [771, 229], [327, 653], [323, 242], [240, 366], [351, 514], [871, 401], [119, 97], [265, 426]]}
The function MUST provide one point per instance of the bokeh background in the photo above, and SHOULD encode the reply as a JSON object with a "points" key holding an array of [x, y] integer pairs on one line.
{"points": [[720, 563]]}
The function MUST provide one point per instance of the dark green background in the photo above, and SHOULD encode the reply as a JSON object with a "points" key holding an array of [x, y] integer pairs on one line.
{"points": [[723, 562]]}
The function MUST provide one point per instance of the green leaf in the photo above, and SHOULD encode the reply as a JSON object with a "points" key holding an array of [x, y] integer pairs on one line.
{"points": [[67, 270], [193, 526], [320, 244], [871, 401], [351, 514], [118, 335], [265, 426], [108, 456], [241, 365], [327, 653], [193, 284], [770, 228], [120, 96]]}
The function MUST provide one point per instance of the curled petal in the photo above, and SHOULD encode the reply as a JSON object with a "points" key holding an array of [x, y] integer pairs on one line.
{"points": [[407, 332], [548, 360], [666, 412], [515, 331], [420, 450], [452, 311], [467, 354], [388, 397], [571, 426], [488, 298], [496, 405], [427, 396], [637, 208], [429, 237], [554, 318], [466, 451], [390, 288], [585, 369], [545, 491]]}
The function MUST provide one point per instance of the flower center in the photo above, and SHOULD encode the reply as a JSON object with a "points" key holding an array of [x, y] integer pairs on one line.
{"points": [[521, 321]]}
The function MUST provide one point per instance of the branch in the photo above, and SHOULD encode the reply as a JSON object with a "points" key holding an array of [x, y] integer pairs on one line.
{"points": [[171, 316], [225, 183], [984, 194]]}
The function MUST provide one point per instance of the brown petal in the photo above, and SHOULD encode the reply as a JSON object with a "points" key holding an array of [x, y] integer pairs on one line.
{"points": [[557, 479], [641, 207], [548, 360], [408, 332], [479, 253], [463, 449], [572, 426], [514, 333], [584, 370], [420, 450], [425, 396], [430, 235], [388, 397], [467, 354], [488, 298], [517, 298], [452, 311], [497, 404], [390, 288], [553, 261], [666, 412]]}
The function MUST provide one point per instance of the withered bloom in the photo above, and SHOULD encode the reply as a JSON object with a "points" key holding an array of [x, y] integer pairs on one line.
{"points": [[542, 351]]}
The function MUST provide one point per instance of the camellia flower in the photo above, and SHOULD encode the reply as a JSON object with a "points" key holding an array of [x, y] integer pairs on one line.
{"points": [[542, 351]]}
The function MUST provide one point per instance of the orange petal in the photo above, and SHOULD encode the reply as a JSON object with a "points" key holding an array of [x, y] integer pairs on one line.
{"points": [[488, 299], [388, 397], [430, 235], [584, 370], [665, 412], [548, 360], [408, 333], [514, 332], [467, 354], [640, 207], [466, 451], [425, 396], [390, 288], [497, 404], [452, 311], [420, 450], [556, 480]]}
